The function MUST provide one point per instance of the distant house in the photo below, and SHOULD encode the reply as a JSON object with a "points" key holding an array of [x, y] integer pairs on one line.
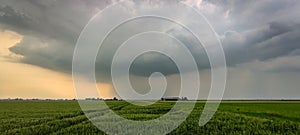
{"points": [[174, 99]]}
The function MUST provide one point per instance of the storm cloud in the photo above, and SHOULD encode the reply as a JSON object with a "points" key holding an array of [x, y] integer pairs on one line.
{"points": [[251, 31]]}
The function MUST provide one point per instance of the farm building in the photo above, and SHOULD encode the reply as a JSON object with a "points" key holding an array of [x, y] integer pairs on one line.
{"points": [[174, 99]]}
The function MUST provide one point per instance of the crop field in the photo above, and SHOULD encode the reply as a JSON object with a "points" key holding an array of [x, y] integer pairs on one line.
{"points": [[232, 117]]}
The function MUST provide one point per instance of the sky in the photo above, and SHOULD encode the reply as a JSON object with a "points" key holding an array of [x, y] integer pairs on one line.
{"points": [[260, 41]]}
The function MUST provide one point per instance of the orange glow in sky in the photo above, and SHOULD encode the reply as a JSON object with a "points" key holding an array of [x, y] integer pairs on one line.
{"points": [[20, 80]]}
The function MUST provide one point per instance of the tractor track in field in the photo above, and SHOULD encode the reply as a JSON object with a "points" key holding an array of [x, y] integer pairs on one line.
{"points": [[269, 115], [68, 118], [66, 128], [76, 124], [82, 116], [44, 124], [50, 120], [262, 117], [92, 116]]}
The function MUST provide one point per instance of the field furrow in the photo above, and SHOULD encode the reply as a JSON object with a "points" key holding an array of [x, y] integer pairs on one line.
{"points": [[59, 118]]}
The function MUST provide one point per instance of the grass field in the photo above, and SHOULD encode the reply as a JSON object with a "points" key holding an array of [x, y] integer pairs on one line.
{"points": [[66, 117]]}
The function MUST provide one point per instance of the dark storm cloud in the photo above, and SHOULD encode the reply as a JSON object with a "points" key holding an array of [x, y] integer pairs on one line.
{"points": [[60, 20], [253, 30], [268, 42], [50, 29], [10, 16], [144, 66]]}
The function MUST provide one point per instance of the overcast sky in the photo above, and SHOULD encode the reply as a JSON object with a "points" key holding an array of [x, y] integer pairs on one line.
{"points": [[260, 39]]}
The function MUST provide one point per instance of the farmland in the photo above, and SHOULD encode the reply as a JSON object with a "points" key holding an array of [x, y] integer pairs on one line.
{"points": [[233, 117]]}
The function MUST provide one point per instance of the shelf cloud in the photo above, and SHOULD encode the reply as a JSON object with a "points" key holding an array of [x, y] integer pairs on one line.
{"points": [[262, 36]]}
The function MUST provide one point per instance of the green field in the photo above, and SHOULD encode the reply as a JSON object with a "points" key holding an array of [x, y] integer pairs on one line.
{"points": [[66, 117]]}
